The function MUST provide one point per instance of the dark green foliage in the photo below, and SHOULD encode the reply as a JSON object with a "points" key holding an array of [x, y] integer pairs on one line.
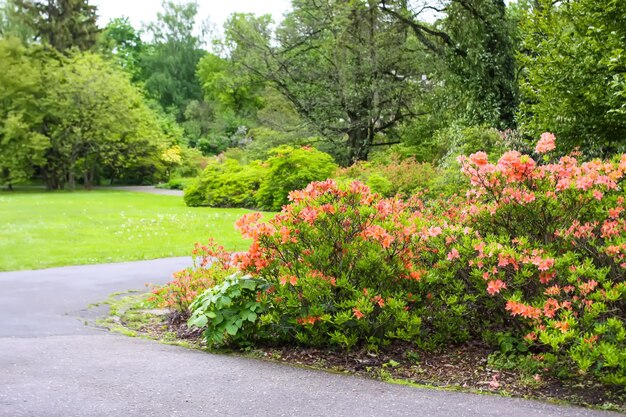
{"points": [[124, 42], [228, 311], [574, 82], [61, 24], [482, 75], [169, 63], [344, 67]]}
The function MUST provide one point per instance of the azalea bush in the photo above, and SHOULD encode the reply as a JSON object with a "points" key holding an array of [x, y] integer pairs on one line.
{"points": [[532, 259], [550, 243], [211, 265], [338, 262]]}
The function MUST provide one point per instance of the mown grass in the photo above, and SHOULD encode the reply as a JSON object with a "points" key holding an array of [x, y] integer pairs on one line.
{"points": [[41, 229]]}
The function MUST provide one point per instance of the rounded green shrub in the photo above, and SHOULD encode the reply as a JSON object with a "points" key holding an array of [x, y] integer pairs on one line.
{"points": [[290, 169]]}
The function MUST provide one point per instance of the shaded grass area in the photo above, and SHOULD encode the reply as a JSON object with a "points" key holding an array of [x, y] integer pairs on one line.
{"points": [[40, 229]]}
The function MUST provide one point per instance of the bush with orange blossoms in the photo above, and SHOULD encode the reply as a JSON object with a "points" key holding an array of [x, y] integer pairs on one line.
{"points": [[549, 242], [535, 251], [211, 264]]}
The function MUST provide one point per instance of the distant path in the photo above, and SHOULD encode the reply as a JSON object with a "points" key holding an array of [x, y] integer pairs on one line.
{"points": [[52, 365], [150, 189]]}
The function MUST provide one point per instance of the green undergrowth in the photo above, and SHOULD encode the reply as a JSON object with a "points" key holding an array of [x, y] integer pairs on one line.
{"points": [[133, 314]]}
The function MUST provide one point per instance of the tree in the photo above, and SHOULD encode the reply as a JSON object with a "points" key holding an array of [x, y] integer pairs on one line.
{"points": [[12, 24], [96, 120], [574, 74], [121, 39], [62, 24], [20, 89], [475, 40], [346, 68], [169, 62]]}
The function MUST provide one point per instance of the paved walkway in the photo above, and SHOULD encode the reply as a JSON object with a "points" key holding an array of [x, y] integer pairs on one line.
{"points": [[53, 365], [151, 189]]}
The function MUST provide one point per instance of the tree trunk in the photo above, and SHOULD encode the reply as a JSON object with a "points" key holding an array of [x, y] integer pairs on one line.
{"points": [[71, 180], [358, 139]]}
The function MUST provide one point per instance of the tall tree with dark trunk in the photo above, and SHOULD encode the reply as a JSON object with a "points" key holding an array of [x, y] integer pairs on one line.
{"points": [[476, 43], [347, 68]]}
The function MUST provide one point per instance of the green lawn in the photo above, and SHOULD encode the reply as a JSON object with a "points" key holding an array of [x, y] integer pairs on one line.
{"points": [[43, 229]]}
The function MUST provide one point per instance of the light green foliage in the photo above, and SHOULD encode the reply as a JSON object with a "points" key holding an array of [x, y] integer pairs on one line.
{"points": [[226, 183], [96, 120], [228, 311], [20, 87], [12, 24], [124, 42], [292, 169], [574, 83], [228, 86], [41, 230], [391, 174]]}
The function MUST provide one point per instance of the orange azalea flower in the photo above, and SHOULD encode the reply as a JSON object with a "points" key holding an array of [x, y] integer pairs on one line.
{"points": [[357, 313], [494, 287], [546, 143]]}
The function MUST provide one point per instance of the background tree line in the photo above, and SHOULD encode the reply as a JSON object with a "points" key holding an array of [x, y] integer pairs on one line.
{"points": [[355, 79]]}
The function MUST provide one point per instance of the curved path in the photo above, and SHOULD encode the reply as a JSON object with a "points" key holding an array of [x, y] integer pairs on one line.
{"points": [[53, 365], [150, 189]]}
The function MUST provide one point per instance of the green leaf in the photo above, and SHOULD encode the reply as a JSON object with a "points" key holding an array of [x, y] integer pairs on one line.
{"points": [[231, 329], [198, 321]]}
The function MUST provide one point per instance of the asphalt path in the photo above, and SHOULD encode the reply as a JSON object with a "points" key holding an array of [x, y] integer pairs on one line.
{"points": [[51, 364], [150, 189]]}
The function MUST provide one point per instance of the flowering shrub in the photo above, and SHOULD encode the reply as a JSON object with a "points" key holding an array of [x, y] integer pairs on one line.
{"points": [[338, 261], [534, 254], [550, 243], [210, 266]]}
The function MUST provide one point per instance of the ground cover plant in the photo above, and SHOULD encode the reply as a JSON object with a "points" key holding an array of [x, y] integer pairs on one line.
{"points": [[529, 262], [42, 229]]}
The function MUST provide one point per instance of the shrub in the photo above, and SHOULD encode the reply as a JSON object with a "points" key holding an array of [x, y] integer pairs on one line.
{"points": [[291, 169], [531, 259], [338, 262], [176, 184], [392, 175], [226, 183], [551, 245], [210, 267]]}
